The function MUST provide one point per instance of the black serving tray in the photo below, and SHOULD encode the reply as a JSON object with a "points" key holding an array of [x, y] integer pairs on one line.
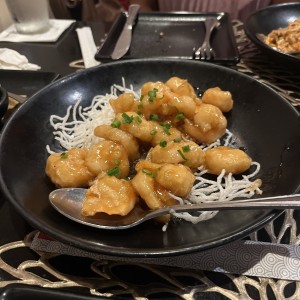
{"points": [[172, 35], [25, 82]]}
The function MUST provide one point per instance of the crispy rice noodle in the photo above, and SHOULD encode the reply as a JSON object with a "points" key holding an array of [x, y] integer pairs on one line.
{"points": [[76, 128]]}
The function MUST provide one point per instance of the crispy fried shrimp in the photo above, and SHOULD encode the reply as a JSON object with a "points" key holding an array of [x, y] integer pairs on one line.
{"points": [[136, 125], [127, 140], [125, 102], [217, 97], [181, 87], [185, 152], [153, 99], [208, 124], [150, 191], [178, 179], [147, 131], [105, 156], [109, 195], [232, 160], [68, 169], [180, 104], [164, 132]]}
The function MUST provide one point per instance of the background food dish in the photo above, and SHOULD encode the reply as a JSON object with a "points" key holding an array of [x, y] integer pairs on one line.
{"points": [[267, 19], [262, 121]]}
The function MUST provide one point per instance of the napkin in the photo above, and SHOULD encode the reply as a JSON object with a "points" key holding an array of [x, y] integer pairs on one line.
{"points": [[57, 27], [87, 46], [242, 257], [13, 60]]}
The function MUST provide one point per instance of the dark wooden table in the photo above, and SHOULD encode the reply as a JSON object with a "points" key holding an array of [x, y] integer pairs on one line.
{"points": [[20, 265]]}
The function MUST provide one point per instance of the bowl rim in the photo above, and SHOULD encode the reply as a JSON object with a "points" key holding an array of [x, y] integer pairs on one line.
{"points": [[3, 101]]}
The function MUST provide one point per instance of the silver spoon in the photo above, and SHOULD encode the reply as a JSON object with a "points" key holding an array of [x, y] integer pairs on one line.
{"points": [[68, 201]]}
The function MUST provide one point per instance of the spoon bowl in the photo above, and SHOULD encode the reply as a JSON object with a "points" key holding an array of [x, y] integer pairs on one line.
{"points": [[68, 202]]}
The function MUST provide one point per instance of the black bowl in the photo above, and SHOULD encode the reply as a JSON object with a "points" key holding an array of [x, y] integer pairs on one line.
{"points": [[3, 101], [262, 121], [267, 19]]}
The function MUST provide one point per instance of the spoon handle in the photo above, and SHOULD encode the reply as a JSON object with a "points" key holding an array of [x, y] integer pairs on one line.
{"points": [[277, 202]]}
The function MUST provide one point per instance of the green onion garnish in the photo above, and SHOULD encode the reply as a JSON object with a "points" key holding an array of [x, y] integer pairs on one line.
{"points": [[152, 94], [153, 117], [114, 172], [177, 140], [64, 155], [166, 127], [138, 119], [116, 123], [127, 119], [181, 154], [186, 148], [180, 116], [149, 173], [163, 143], [153, 132]]}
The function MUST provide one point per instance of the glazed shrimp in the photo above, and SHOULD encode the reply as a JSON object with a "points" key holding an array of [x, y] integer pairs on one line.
{"points": [[68, 169], [208, 124], [136, 125], [109, 195], [178, 179], [184, 152], [234, 161], [181, 87], [153, 100], [125, 102], [222, 99], [106, 156], [127, 140], [152, 193]]}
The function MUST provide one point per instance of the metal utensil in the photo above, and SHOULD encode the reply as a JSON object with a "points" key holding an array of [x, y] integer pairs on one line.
{"points": [[205, 51], [68, 201], [19, 98], [124, 40]]}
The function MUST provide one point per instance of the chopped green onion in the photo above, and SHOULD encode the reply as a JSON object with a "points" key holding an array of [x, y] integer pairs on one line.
{"points": [[181, 154], [140, 107], [142, 97], [166, 127], [116, 123], [177, 140], [186, 148], [180, 116], [127, 119], [149, 173], [114, 172], [153, 117], [152, 94], [138, 119], [64, 155], [153, 132], [163, 143]]}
